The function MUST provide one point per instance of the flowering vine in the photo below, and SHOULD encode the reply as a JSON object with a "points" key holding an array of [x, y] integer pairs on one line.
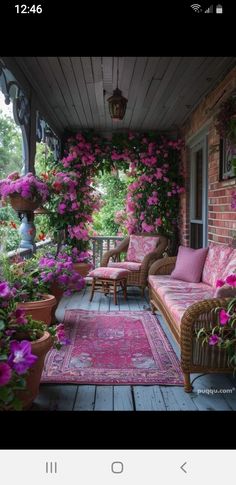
{"points": [[153, 195]]}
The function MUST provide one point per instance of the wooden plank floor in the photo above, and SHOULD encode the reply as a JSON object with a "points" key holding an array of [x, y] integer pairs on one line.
{"points": [[211, 392]]}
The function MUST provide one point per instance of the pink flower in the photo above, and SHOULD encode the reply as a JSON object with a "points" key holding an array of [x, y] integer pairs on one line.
{"points": [[224, 317], [231, 280], [213, 340], [220, 283]]}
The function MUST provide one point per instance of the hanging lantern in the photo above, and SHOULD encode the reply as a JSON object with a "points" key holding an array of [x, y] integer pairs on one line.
{"points": [[117, 105]]}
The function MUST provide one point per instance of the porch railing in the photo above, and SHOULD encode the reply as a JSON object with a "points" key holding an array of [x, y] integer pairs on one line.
{"points": [[101, 244], [98, 245]]}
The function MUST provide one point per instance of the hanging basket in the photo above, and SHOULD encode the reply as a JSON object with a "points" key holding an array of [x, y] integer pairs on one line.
{"points": [[20, 204]]}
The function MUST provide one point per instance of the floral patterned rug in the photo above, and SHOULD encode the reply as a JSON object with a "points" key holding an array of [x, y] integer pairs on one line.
{"points": [[109, 348]]}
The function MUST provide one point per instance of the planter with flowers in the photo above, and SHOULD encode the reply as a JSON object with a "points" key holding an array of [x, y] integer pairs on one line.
{"points": [[25, 193], [82, 260], [221, 334], [24, 343], [57, 275], [30, 292]]}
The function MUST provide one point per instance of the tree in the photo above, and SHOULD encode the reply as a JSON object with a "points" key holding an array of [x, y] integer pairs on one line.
{"points": [[11, 159], [114, 188]]}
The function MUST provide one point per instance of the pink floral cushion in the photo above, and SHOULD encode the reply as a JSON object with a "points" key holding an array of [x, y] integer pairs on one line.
{"points": [[139, 246], [126, 265], [216, 261], [109, 273], [189, 264], [231, 265], [178, 295]]}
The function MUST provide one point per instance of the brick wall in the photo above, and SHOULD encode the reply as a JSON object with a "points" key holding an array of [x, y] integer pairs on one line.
{"points": [[221, 218]]}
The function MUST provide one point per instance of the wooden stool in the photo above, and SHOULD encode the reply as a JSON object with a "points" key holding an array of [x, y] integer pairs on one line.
{"points": [[108, 281]]}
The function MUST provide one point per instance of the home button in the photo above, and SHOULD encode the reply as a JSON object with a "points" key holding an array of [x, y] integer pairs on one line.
{"points": [[117, 467]]}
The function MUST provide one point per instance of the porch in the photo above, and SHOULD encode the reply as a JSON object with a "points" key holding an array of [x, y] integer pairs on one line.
{"points": [[177, 97], [211, 392]]}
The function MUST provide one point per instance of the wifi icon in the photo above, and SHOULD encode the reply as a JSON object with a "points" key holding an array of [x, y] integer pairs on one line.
{"points": [[196, 7]]}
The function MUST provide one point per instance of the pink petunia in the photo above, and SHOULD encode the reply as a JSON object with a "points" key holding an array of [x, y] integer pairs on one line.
{"points": [[213, 340], [231, 280], [220, 283], [224, 317]]}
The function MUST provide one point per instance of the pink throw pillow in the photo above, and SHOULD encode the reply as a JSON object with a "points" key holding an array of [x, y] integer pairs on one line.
{"points": [[225, 291], [189, 264], [139, 246]]}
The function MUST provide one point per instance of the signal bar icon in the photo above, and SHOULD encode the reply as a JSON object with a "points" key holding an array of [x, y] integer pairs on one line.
{"points": [[196, 7], [209, 9]]}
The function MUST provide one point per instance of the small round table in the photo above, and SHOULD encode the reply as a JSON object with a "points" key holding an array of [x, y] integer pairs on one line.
{"points": [[109, 281]]}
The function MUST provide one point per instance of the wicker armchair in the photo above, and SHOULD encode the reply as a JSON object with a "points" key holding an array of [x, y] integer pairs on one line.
{"points": [[137, 278], [196, 357]]}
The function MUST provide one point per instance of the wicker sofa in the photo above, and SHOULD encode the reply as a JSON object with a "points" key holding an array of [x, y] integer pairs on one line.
{"points": [[187, 307], [138, 273]]}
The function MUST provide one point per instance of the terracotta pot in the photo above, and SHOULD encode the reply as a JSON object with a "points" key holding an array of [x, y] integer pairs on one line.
{"points": [[41, 309], [20, 204], [82, 268], [56, 291], [40, 348]]}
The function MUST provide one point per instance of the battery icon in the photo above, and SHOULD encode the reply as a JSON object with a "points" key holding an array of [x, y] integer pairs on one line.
{"points": [[219, 8]]}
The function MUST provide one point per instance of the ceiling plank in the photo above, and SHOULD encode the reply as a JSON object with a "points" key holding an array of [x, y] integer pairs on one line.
{"points": [[82, 88], [89, 81], [138, 72], [34, 73], [69, 75], [166, 82], [144, 91], [98, 86], [63, 86]]}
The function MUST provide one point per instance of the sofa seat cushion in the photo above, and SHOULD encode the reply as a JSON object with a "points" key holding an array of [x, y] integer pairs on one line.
{"points": [[215, 263], [140, 246], [126, 265], [109, 273], [178, 295]]}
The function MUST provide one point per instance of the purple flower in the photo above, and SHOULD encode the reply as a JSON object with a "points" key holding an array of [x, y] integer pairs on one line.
{"points": [[19, 316], [20, 358], [5, 291], [5, 374], [63, 279], [213, 340]]}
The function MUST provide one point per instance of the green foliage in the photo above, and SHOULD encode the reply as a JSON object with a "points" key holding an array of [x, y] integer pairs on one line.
{"points": [[114, 190], [9, 224], [11, 159]]}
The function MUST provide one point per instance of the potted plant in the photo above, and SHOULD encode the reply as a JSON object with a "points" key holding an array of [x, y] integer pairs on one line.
{"points": [[82, 260], [24, 343], [25, 193], [222, 334], [31, 293], [56, 274]]}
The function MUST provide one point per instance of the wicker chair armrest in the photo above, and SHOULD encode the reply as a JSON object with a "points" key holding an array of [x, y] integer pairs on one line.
{"points": [[163, 266], [151, 257], [121, 248], [107, 255]]}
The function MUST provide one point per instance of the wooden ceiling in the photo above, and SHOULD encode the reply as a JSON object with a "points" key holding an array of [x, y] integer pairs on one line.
{"points": [[161, 91]]}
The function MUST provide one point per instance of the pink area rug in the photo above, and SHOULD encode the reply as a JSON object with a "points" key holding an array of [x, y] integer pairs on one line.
{"points": [[113, 348]]}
